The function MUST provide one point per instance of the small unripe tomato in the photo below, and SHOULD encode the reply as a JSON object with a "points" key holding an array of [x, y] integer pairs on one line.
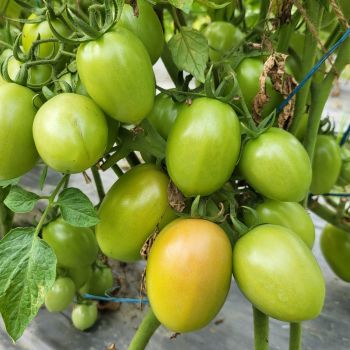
{"points": [[84, 316], [188, 274], [100, 281], [60, 295]]}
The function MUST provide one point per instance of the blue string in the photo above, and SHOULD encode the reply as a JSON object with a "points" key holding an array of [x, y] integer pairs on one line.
{"points": [[345, 136], [332, 195], [313, 71], [116, 300]]}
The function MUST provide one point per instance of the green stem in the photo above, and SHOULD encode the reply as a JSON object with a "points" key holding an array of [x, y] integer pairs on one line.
{"points": [[295, 335], [132, 159], [145, 331], [170, 66], [285, 33], [98, 182], [264, 8], [6, 215], [261, 330], [117, 170], [50, 204], [315, 11]]}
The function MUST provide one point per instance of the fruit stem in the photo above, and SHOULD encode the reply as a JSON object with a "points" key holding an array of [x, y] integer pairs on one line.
{"points": [[261, 330], [295, 333], [98, 182], [145, 331]]}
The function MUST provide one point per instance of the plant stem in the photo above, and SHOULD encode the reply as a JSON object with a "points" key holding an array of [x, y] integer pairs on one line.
{"points": [[145, 331], [295, 335], [117, 170], [132, 159], [51, 201], [261, 330], [315, 11], [171, 67], [6, 215], [98, 182]]}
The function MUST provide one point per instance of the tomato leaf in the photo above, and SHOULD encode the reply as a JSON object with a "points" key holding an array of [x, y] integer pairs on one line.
{"points": [[27, 272], [21, 201], [184, 5], [76, 208], [5, 183], [190, 51]]}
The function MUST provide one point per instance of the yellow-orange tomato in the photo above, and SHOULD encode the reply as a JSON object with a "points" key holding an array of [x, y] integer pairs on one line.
{"points": [[189, 273]]}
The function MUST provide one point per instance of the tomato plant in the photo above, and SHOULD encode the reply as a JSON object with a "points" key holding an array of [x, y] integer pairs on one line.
{"points": [[75, 247], [288, 214], [84, 316], [146, 26], [79, 275], [112, 67], [335, 245], [70, 133], [140, 198], [344, 176], [199, 132], [182, 251], [60, 295], [222, 37], [18, 153], [326, 164], [277, 272], [276, 165]]}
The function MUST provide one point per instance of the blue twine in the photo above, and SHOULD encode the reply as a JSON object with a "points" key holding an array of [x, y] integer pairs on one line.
{"points": [[345, 136], [313, 71], [332, 195], [116, 300]]}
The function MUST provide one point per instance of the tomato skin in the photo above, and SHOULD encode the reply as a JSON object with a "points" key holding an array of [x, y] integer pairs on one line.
{"points": [[287, 214], [79, 275], [75, 247], [18, 153], [277, 165], [146, 26], [126, 89], [31, 31], [326, 164], [222, 37], [100, 281], [190, 262], [248, 73], [278, 274], [70, 133], [84, 316], [164, 113], [140, 198], [335, 246], [60, 295], [199, 132]]}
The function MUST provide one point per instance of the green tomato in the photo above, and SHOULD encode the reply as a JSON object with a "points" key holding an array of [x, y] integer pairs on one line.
{"points": [[164, 114], [190, 262], [84, 316], [344, 176], [205, 135], [278, 274], [277, 165], [335, 246], [288, 214], [31, 32], [146, 26], [117, 73], [326, 164], [222, 38], [70, 133], [75, 247], [61, 294], [37, 75], [140, 200], [248, 73], [18, 154], [100, 281], [79, 275]]}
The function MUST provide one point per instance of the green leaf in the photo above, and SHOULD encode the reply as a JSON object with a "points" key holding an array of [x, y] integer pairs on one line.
{"points": [[76, 208], [21, 201], [27, 272], [190, 51], [184, 5], [43, 176], [5, 183]]}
